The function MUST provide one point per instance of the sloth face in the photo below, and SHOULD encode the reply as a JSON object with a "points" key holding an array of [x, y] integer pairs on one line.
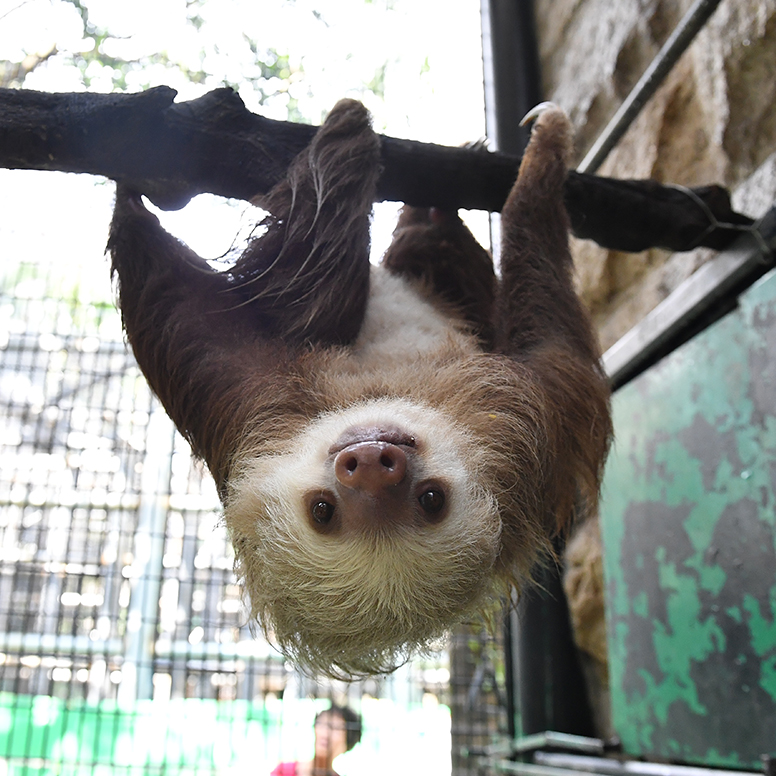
{"points": [[373, 533]]}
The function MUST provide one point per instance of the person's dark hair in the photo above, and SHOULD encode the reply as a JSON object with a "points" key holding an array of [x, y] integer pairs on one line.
{"points": [[352, 720]]}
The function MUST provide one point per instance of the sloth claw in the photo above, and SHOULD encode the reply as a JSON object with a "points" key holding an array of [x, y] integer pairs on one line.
{"points": [[537, 111]]}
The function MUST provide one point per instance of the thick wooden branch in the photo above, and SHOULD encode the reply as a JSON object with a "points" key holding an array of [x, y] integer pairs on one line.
{"points": [[172, 151]]}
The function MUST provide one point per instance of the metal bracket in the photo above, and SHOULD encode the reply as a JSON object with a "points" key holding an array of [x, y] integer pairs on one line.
{"points": [[700, 300]]}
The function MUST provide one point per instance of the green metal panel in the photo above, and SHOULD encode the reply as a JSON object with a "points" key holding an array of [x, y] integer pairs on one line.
{"points": [[689, 530]]}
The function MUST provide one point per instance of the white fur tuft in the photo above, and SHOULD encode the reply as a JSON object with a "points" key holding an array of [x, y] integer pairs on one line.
{"points": [[401, 325]]}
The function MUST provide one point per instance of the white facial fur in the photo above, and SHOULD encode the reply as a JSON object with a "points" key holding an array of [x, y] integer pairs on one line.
{"points": [[444, 452], [364, 590]]}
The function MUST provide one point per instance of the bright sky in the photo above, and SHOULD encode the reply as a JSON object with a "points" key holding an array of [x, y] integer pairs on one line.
{"points": [[430, 52]]}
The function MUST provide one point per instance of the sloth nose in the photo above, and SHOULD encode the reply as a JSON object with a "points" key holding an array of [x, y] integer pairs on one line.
{"points": [[370, 466]]}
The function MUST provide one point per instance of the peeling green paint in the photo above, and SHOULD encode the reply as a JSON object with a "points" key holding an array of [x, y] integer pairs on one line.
{"points": [[763, 631], [640, 604], [689, 529]]}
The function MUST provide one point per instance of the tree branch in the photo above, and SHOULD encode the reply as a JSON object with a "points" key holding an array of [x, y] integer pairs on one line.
{"points": [[173, 151]]}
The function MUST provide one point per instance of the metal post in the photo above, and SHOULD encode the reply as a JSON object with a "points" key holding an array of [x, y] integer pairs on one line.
{"points": [[666, 58], [146, 568]]}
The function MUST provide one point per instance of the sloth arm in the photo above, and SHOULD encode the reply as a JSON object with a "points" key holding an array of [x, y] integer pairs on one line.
{"points": [[220, 349], [537, 301], [309, 270], [543, 327]]}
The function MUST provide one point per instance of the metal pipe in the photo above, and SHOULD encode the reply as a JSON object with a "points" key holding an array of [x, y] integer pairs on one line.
{"points": [[565, 765], [612, 767], [700, 300], [661, 65], [548, 689]]}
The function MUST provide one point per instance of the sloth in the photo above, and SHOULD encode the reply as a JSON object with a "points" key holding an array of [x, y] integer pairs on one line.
{"points": [[395, 446]]}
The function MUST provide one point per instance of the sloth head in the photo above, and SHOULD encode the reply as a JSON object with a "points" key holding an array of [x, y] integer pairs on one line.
{"points": [[371, 533]]}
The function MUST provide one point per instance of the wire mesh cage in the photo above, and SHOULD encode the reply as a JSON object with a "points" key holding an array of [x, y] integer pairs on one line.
{"points": [[124, 647]]}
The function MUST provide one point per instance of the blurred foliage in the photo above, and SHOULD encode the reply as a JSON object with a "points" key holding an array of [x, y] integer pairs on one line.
{"points": [[274, 73]]}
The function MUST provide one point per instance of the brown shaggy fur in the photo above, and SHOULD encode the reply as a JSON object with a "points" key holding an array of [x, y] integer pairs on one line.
{"points": [[256, 365]]}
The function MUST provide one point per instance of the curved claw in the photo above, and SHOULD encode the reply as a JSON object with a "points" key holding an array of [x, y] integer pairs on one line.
{"points": [[537, 111]]}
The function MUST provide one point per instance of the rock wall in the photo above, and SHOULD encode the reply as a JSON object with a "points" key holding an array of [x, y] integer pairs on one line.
{"points": [[712, 121]]}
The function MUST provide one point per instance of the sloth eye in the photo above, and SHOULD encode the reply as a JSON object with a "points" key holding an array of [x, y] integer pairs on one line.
{"points": [[322, 511], [432, 501]]}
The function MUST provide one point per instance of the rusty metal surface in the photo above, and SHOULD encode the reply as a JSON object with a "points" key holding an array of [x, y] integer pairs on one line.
{"points": [[689, 531]]}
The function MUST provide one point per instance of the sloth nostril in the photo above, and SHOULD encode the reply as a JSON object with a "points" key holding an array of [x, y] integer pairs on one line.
{"points": [[371, 466]]}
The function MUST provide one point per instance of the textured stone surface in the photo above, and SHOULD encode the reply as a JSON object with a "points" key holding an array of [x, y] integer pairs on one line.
{"points": [[583, 585], [712, 120]]}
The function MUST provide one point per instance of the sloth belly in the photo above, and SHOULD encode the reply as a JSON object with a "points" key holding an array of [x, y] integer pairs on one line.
{"points": [[401, 325]]}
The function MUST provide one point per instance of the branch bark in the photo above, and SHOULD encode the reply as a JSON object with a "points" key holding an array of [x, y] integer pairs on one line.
{"points": [[173, 151]]}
